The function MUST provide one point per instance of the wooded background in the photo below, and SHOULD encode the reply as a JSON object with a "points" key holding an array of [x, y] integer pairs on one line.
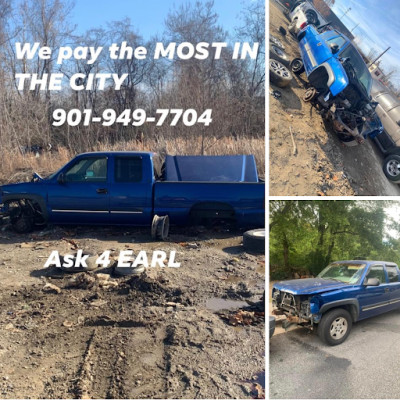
{"points": [[306, 235], [233, 89]]}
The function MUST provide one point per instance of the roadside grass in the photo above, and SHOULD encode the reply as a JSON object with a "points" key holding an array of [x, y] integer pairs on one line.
{"points": [[17, 167]]}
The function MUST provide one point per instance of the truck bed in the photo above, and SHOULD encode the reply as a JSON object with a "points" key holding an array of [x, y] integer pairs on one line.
{"points": [[243, 201]]}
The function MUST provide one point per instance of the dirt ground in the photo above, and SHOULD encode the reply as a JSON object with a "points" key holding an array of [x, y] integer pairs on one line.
{"points": [[166, 333], [323, 165]]}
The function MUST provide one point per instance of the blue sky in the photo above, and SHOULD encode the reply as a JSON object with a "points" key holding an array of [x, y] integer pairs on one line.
{"points": [[379, 27], [147, 16]]}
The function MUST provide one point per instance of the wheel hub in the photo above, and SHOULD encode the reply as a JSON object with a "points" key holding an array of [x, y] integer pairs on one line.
{"points": [[309, 94], [279, 69], [393, 168], [338, 328]]}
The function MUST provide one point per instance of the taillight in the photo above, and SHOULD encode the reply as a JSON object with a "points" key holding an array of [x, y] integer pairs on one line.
{"points": [[303, 25]]}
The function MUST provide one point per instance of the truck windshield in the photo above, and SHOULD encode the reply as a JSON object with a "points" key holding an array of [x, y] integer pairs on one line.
{"points": [[359, 66], [346, 273]]}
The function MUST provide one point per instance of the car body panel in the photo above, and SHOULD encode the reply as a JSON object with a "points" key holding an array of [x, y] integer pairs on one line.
{"points": [[315, 53]]}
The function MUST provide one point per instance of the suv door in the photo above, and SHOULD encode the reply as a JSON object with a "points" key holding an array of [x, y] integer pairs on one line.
{"points": [[81, 194], [375, 300]]}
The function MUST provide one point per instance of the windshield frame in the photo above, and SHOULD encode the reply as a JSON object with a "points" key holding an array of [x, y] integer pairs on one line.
{"points": [[359, 273]]}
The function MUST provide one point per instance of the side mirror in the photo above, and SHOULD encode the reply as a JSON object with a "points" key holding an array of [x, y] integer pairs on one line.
{"points": [[61, 178], [334, 48], [372, 282]]}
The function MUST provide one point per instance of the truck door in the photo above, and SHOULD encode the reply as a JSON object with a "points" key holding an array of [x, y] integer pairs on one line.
{"points": [[394, 285], [81, 193], [131, 194], [375, 300]]}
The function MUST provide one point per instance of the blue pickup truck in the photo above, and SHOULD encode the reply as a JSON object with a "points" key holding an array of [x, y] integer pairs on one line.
{"points": [[343, 293], [340, 83], [123, 188]]}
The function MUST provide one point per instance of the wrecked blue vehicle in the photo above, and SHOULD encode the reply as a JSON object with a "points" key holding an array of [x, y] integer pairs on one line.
{"points": [[343, 293], [340, 83], [129, 188]]}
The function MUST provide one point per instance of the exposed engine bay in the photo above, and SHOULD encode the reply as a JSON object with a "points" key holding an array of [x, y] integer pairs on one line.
{"points": [[295, 308], [352, 112]]}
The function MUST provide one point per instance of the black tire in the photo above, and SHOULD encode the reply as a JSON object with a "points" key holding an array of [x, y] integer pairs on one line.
{"points": [[275, 41], [312, 17], [254, 240], [279, 74], [335, 326], [23, 224], [278, 54], [282, 31], [391, 167], [297, 66]]}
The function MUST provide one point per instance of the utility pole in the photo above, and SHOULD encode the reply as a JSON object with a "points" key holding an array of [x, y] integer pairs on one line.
{"points": [[354, 28], [345, 12], [380, 55]]}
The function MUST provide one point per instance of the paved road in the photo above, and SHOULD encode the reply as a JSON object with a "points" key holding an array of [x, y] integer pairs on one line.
{"points": [[366, 365]]}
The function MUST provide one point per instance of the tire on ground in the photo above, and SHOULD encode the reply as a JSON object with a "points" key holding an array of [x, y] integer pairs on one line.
{"points": [[329, 329], [297, 66], [279, 74], [23, 224], [254, 240], [278, 54], [391, 167], [274, 40]]}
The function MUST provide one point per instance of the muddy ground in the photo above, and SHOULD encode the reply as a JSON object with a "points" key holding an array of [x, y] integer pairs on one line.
{"points": [[323, 165], [162, 334]]}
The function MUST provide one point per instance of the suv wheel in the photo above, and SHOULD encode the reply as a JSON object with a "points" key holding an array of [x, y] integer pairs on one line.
{"points": [[391, 167], [335, 326]]}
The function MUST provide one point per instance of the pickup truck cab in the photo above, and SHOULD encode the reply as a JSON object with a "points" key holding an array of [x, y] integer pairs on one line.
{"points": [[343, 293], [340, 83], [123, 188]]}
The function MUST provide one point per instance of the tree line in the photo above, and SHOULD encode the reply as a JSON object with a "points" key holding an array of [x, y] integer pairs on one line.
{"points": [[306, 235], [233, 89]]}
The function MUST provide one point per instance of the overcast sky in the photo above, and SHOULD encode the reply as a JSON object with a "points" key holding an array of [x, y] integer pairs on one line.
{"points": [[379, 27]]}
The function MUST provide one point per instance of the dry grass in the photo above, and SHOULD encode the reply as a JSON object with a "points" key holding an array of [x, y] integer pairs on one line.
{"points": [[16, 167]]}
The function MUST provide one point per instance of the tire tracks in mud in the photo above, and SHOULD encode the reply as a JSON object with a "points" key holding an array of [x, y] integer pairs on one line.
{"points": [[123, 363]]}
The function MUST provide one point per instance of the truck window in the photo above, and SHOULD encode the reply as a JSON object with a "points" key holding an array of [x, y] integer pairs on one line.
{"points": [[128, 169], [339, 40], [88, 170], [376, 271], [392, 273]]}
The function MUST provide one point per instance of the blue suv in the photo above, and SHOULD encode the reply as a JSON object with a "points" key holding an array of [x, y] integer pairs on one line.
{"points": [[343, 293]]}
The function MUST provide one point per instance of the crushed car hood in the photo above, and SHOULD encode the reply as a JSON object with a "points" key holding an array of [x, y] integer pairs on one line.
{"points": [[309, 285]]}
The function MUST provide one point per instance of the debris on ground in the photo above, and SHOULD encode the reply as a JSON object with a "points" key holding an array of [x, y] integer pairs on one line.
{"points": [[95, 335], [50, 288]]}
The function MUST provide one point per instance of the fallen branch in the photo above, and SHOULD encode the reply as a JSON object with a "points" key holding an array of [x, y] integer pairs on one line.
{"points": [[294, 144]]}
